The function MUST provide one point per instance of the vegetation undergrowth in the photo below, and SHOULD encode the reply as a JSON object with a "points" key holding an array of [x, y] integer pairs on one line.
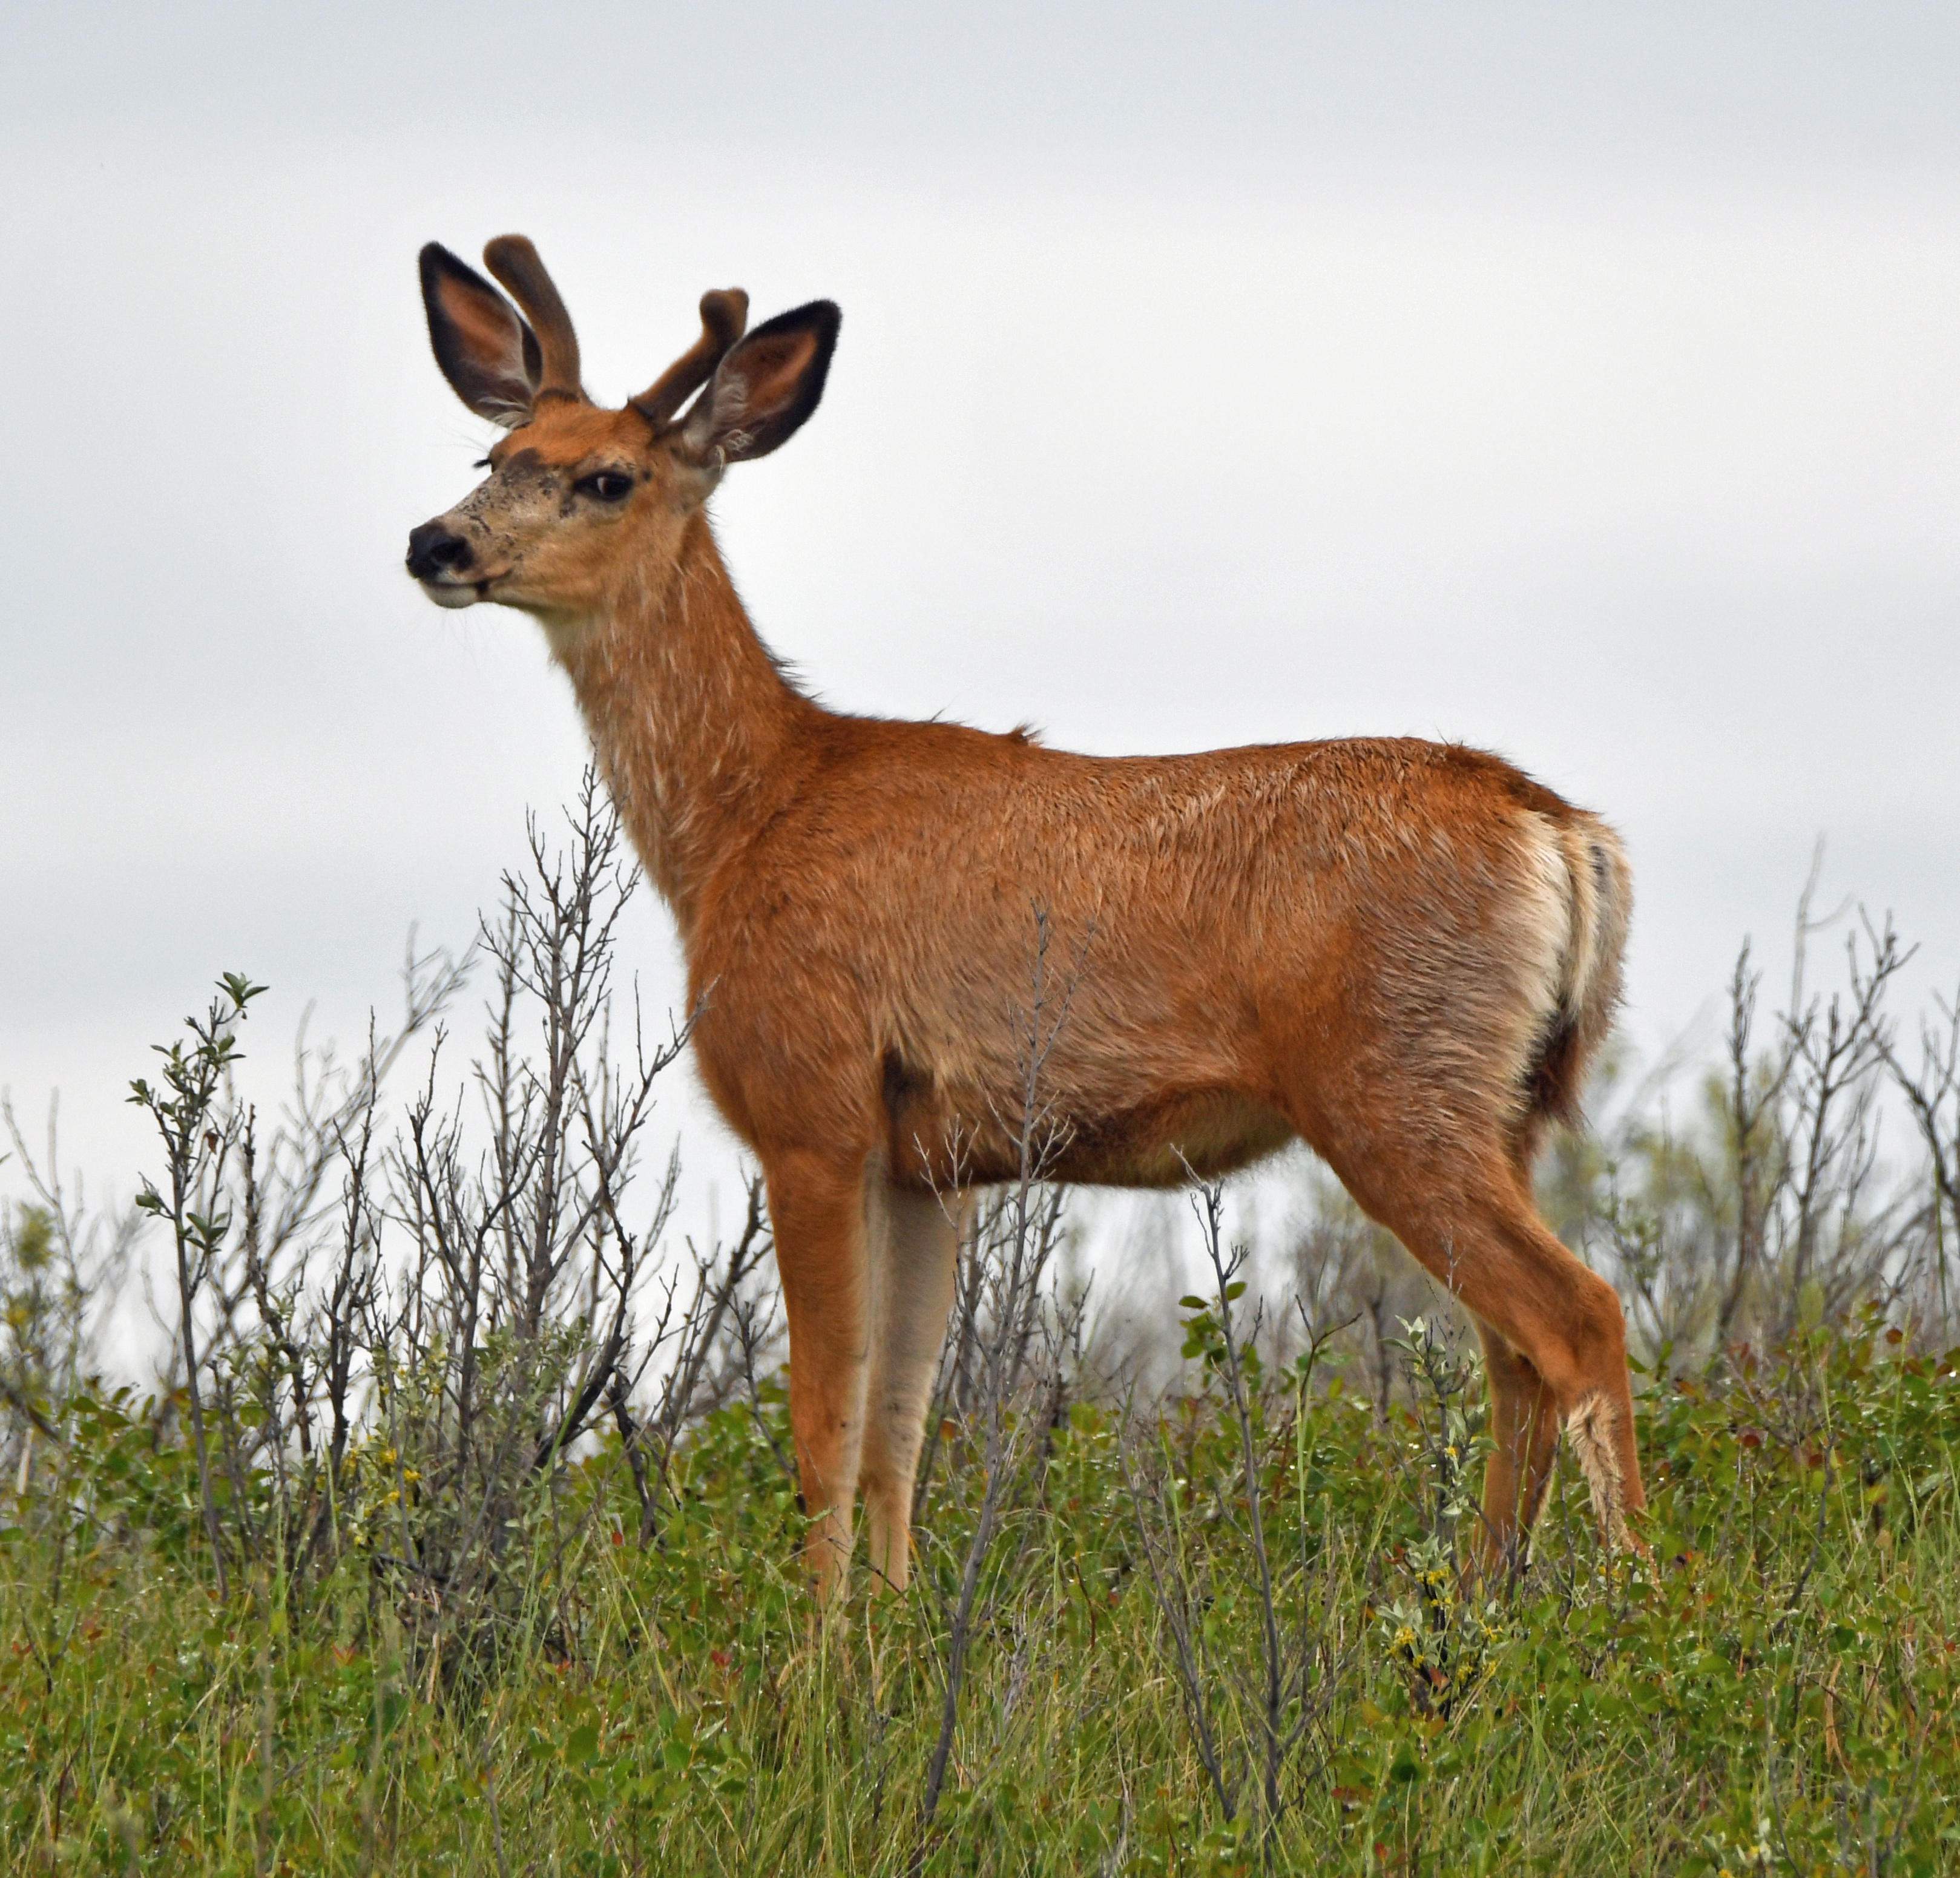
{"points": [[458, 1532], [1777, 1690]]}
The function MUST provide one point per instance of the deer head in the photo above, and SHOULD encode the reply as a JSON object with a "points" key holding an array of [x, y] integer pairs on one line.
{"points": [[580, 499]]}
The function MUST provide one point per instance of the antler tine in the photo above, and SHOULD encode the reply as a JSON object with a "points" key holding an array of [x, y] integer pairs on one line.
{"points": [[724, 313], [514, 262]]}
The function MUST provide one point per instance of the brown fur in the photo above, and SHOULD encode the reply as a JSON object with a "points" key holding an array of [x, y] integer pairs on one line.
{"points": [[1402, 952]]}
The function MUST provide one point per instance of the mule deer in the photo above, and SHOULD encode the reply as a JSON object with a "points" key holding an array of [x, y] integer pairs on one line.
{"points": [[1402, 952]]}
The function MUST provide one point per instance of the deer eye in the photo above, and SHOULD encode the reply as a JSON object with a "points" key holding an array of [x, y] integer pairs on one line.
{"points": [[608, 486]]}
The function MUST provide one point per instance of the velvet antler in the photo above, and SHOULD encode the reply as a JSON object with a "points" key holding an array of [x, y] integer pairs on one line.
{"points": [[514, 262], [724, 313]]}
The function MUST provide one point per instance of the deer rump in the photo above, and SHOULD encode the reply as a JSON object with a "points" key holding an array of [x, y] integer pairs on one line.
{"points": [[1383, 945]]}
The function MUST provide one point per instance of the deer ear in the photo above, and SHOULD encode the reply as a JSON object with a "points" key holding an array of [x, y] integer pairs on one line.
{"points": [[489, 356], [764, 389]]}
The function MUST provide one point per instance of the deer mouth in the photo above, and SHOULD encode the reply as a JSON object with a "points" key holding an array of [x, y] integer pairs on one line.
{"points": [[447, 564], [455, 593]]}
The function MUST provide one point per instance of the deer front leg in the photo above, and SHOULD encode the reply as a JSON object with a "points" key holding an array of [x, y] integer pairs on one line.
{"points": [[914, 1256], [816, 1209]]}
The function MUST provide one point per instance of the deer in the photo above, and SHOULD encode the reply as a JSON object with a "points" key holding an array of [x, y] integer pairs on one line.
{"points": [[1403, 953]]}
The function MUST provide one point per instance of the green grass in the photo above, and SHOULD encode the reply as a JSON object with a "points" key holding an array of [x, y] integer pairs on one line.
{"points": [[1776, 1691]]}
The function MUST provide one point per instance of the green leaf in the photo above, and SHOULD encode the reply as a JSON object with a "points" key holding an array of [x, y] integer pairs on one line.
{"points": [[1407, 1765]]}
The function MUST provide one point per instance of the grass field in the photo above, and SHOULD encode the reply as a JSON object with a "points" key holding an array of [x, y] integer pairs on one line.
{"points": [[457, 1534], [1778, 1690]]}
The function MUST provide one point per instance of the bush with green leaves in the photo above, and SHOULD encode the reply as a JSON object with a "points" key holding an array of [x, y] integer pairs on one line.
{"points": [[457, 1532]]}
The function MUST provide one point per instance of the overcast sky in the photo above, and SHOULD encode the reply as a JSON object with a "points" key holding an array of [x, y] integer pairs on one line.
{"points": [[1583, 382]]}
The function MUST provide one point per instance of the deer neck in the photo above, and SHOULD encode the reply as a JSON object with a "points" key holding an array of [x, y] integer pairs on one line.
{"points": [[693, 726]]}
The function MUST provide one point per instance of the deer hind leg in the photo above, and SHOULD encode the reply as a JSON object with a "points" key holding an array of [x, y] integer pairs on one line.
{"points": [[1524, 1439], [817, 1211], [913, 1245], [1481, 1234], [1565, 1322]]}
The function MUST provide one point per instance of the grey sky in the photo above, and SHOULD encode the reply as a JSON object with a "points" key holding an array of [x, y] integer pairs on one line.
{"points": [[1583, 383]]}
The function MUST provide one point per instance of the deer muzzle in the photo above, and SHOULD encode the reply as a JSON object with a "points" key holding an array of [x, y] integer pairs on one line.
{"points": [[443, 561]]}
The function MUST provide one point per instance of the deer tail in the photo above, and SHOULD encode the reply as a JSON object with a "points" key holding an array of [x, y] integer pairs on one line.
{"points": [[1598, 892]]}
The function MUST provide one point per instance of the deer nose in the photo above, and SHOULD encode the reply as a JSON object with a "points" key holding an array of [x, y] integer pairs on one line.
{"points": [[434, 550]]}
